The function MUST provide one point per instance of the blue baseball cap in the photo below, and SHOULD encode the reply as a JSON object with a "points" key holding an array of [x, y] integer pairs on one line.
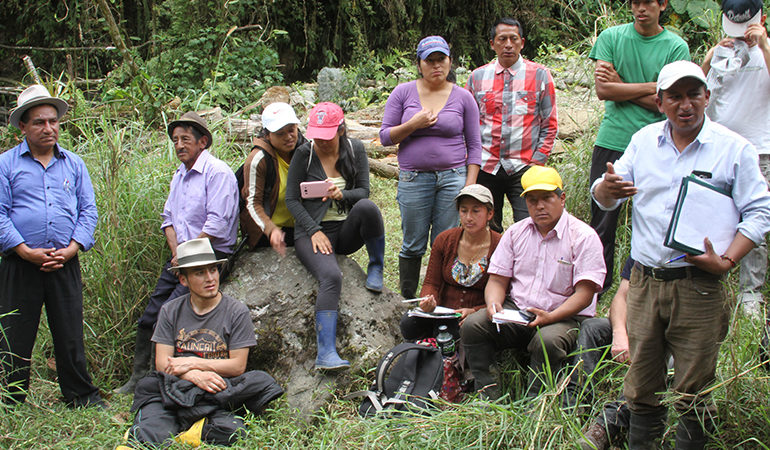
{"points": [[432, 44]]}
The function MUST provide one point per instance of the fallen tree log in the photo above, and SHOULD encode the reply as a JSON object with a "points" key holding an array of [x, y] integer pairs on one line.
{"points": [[383, 170]]}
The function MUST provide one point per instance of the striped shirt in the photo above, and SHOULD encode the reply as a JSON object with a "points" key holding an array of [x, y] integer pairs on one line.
{"points": [[518, 114]]}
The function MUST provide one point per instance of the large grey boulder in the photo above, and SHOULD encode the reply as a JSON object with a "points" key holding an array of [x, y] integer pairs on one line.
{"points": [[333, 85], [280, 294]]}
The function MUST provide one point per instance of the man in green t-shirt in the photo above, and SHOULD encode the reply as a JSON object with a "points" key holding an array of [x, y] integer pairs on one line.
{"points": [[628, 59]]}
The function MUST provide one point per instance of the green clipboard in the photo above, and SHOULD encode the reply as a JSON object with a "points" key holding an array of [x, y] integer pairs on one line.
{"points": [[701, 210]]}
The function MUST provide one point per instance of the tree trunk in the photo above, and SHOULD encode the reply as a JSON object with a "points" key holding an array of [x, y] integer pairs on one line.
{"points": [[383, 170], [117, 38]]}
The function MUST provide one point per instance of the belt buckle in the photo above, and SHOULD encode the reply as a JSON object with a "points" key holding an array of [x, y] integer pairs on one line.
{"points": [[654, 273]]}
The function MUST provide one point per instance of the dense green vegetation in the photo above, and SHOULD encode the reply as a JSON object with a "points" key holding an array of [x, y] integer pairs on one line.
{"points": [[226, 53]]}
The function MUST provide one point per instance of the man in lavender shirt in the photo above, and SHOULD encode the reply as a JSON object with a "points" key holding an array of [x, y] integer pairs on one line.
{"points": [[202, 202], [549, 264]]}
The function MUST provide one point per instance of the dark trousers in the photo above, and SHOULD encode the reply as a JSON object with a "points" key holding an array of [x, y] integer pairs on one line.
{"points": [[167, 288], [604, 222], [288, 238], [166, 406], [24, 289], [364, 222], [509, 185], [593, 344], [547, 345], [156, 424]]}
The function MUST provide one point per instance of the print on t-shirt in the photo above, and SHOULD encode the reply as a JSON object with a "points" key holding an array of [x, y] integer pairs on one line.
{"points": [[202, 342]]}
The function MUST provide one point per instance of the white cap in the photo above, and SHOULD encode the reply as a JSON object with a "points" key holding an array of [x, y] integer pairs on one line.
{"points": [[278, 115], [675, 71]]}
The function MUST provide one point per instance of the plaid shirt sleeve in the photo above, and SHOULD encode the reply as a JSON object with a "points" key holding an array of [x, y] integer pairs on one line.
{"points": [[547, 116]]}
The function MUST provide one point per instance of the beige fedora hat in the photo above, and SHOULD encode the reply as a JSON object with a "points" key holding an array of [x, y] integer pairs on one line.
{"points": [[195, 253], [192, 118], [36, 95]]}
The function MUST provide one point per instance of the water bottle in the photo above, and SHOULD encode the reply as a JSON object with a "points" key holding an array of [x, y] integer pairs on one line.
{"points": [[445, 341]]}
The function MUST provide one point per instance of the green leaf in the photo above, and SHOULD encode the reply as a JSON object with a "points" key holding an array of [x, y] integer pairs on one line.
{"points": [[702, 12], [680, 6]]}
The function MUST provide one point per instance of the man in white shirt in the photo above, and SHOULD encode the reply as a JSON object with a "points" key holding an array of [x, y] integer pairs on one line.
{"points": [[680, 306]]}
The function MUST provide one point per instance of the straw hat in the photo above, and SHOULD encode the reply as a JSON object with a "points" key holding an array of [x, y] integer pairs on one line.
{"points": [[36, 95], [195, 253]]}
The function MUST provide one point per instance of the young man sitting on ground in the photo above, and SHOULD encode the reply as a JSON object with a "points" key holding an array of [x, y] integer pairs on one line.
{"points": [[202, 342]]}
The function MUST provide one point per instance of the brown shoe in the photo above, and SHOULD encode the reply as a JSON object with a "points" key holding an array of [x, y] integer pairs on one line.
{"points": [[595, 438]]}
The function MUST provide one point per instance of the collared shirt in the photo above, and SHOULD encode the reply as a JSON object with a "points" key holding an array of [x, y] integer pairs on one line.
{"points": [[45, 207], [656, 167], [204, 199], [545, 270], [517, 114]]}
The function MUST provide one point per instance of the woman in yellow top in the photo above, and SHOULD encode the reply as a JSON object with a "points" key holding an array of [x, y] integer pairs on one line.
{"points": [[264, 216]]}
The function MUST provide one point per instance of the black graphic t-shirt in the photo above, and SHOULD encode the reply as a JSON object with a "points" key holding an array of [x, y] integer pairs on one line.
{"points": [[212, 335]]}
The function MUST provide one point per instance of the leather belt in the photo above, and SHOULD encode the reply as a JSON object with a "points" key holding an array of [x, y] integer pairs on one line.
{"points": [[676, 273]]}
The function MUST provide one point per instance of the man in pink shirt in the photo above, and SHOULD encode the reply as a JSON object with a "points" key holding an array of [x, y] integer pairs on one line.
{"points": [[550, 265]]}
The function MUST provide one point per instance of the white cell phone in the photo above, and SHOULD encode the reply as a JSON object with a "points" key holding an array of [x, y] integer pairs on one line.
{"points": [[314, 189]]}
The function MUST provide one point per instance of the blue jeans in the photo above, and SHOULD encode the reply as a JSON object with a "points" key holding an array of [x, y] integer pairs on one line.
{"points": [[426, 201]]}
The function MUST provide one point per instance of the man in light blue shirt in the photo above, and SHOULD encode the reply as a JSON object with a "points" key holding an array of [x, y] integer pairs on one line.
{"points": [[47, 215], [680, 306]]}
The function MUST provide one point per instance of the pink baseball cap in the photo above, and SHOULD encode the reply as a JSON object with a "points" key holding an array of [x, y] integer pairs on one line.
{"points": [[323, 121]]}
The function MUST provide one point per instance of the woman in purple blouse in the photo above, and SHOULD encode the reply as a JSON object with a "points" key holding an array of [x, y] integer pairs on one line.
{"points": [[436, 126]]}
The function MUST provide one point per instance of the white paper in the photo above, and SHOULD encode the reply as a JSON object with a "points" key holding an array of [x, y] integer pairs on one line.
{"points": [[440, 312], [706, 213], [509, 316]]}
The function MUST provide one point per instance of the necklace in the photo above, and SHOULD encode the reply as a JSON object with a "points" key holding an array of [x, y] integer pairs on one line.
{"points": [[477, 251]]}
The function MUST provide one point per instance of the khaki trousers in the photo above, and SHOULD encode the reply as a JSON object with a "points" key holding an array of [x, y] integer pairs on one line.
{"points": [[686, 317]]}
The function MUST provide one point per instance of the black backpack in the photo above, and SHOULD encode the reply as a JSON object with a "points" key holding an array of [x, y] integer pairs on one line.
{"points": [[412, 384]]}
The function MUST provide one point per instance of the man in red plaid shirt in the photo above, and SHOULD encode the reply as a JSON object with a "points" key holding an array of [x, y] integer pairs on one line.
{"points": [[517, 102]]}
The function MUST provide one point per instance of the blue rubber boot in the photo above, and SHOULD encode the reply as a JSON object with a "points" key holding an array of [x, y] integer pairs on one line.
{"points": [[326, 339], [376, 249]]}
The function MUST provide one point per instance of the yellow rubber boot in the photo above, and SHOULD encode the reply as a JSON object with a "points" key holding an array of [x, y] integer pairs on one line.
{"points": [[193, 435]]}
